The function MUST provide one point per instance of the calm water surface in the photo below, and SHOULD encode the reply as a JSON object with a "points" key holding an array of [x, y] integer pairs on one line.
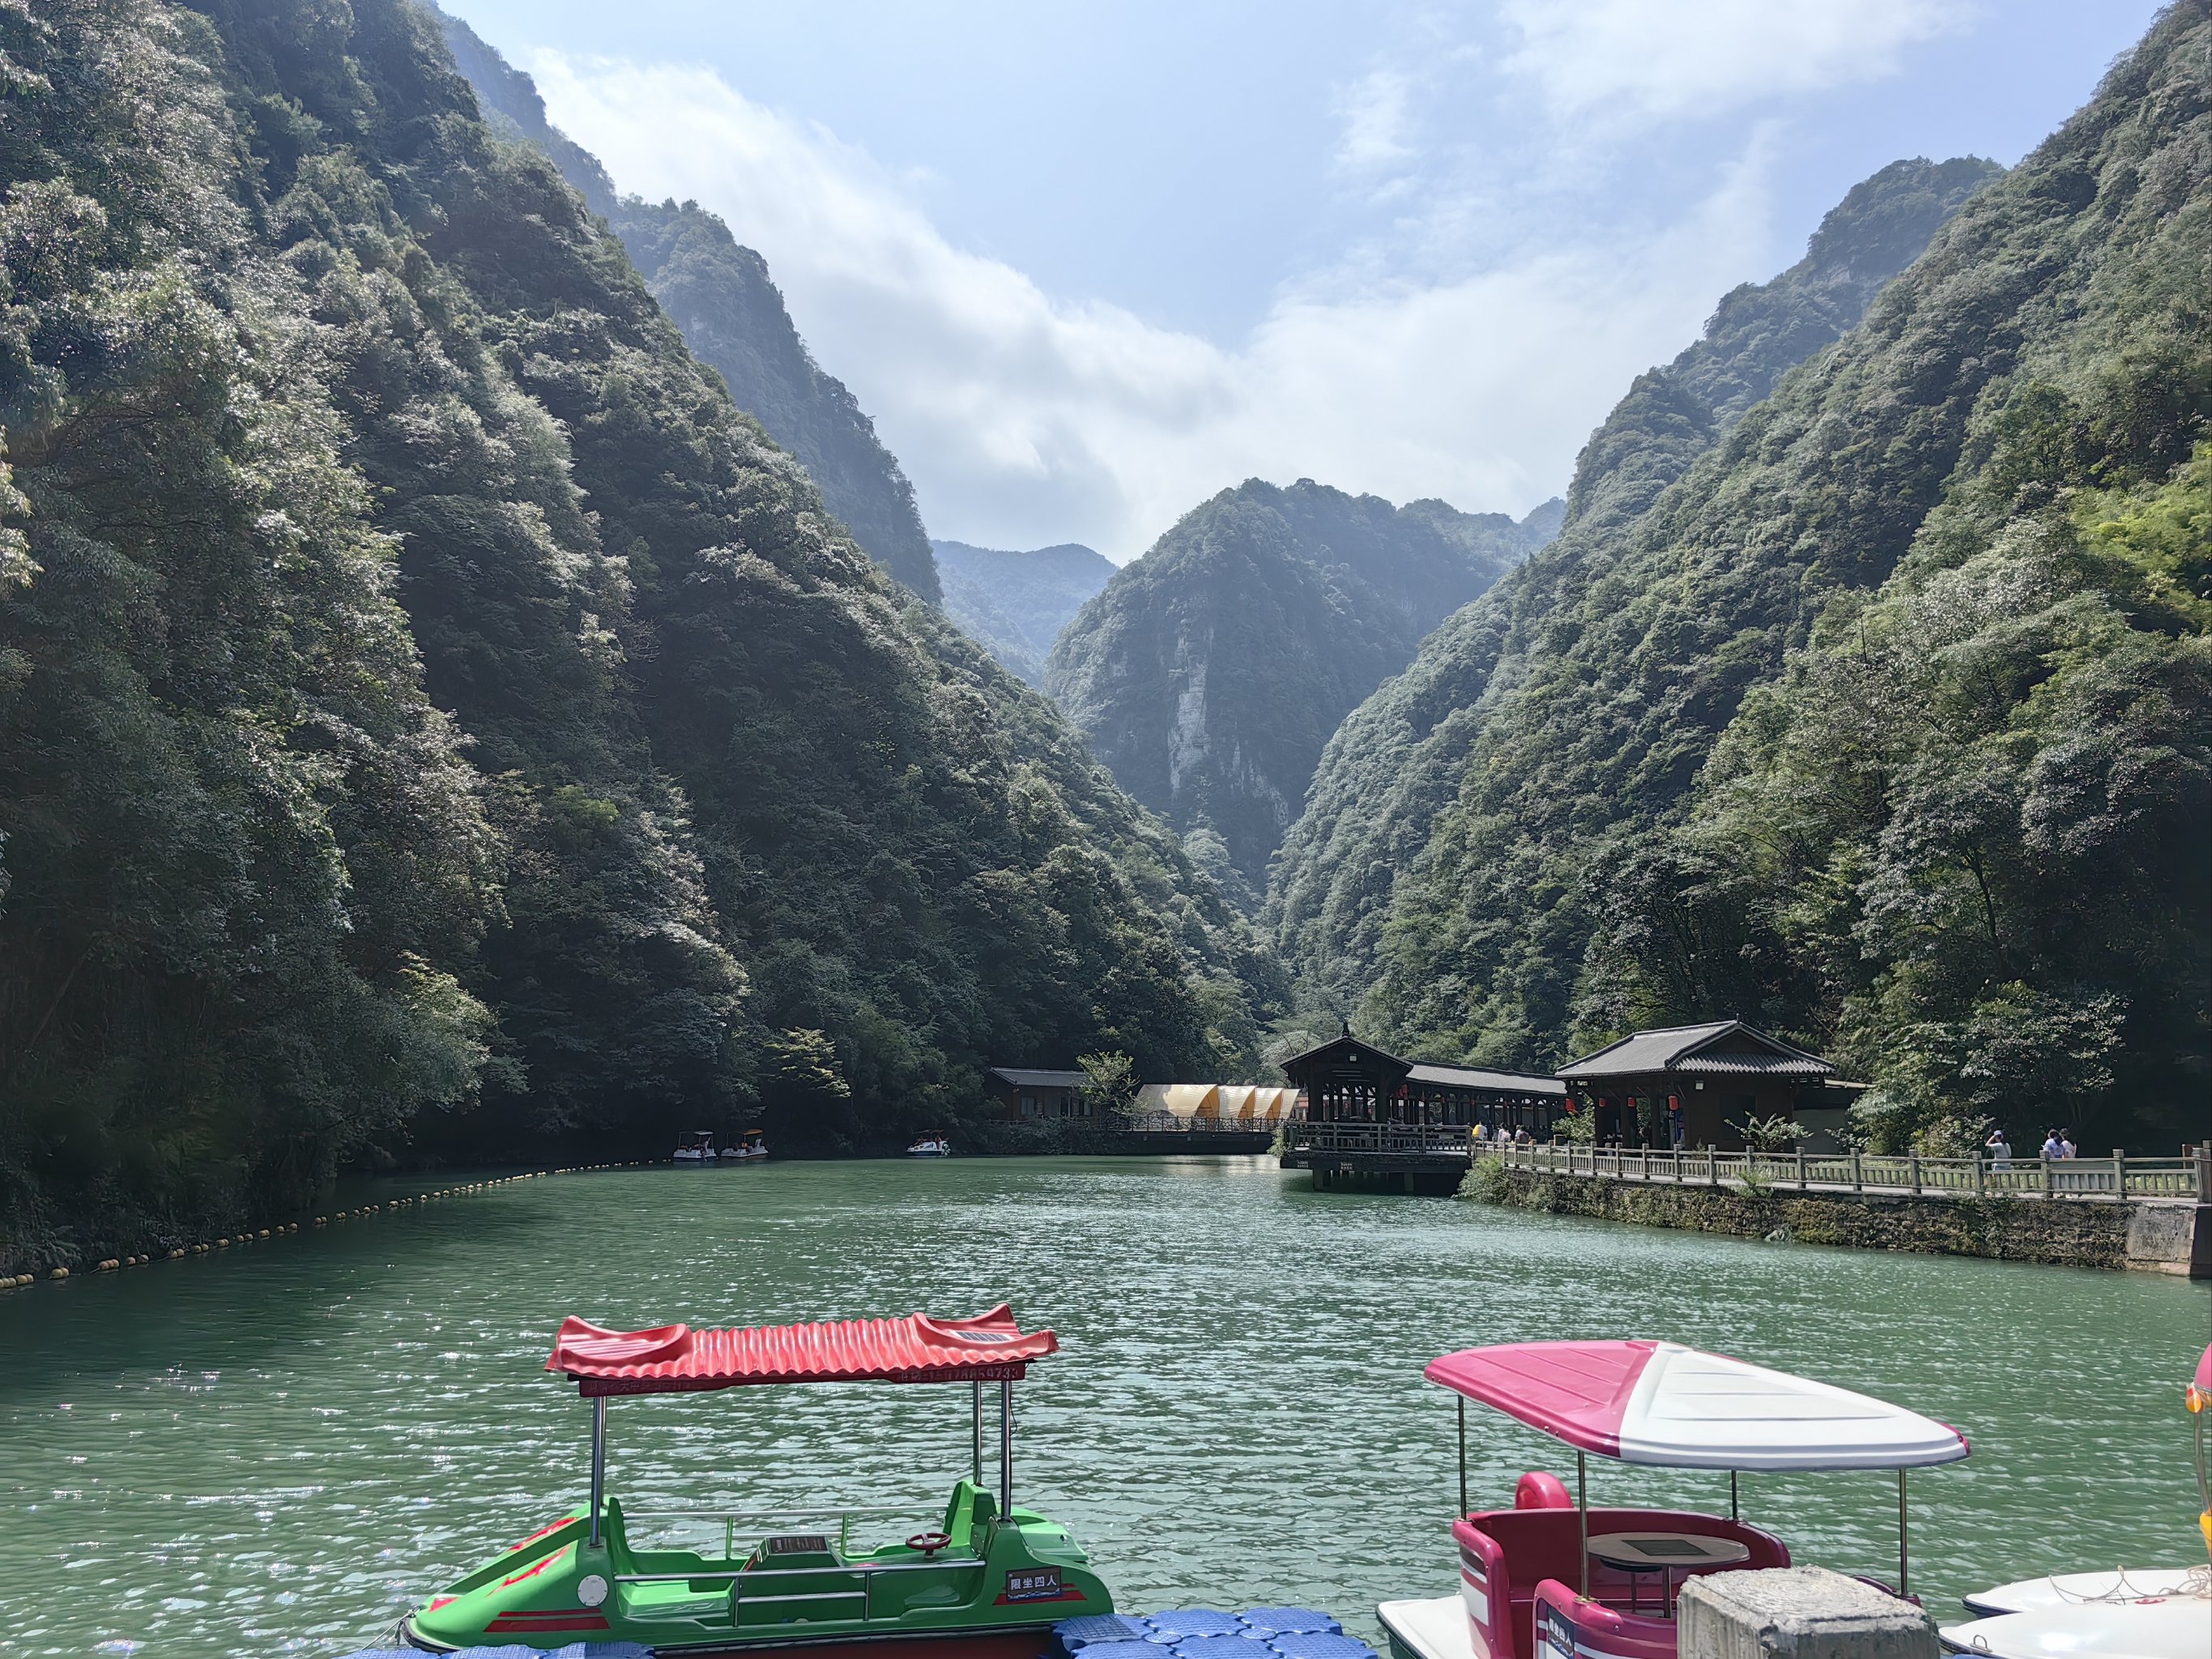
{"points": [[274, 1451]]}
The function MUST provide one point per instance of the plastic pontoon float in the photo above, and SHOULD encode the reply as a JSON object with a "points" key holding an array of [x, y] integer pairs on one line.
{"points": [[1551, 1577], [987, 1579]]}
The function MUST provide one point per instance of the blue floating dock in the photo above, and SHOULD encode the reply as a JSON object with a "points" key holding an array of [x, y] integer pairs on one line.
{"points": [[1206, 1633], [1177, 1633]]}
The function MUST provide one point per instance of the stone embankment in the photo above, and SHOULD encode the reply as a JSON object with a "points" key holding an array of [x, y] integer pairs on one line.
{"points": [[2149, 1235]]}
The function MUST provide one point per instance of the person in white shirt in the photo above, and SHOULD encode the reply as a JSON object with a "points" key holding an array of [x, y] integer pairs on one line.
{"points": [[2053, 1148], [1999, 1149], [2066, 1147]]}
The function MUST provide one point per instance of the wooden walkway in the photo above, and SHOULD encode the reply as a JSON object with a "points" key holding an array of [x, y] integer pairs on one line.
{"points": [[2181, 1180]]}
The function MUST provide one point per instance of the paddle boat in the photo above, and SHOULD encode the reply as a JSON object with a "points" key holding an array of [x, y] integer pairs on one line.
{"points": [[699, 1149], [749, 1148], [930, 1147], [2130, 1612], [1553, 1578], [983, 1578]]}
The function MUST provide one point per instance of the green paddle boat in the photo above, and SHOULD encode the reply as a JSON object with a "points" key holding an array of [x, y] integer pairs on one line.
{"points": [[987, 1579]]}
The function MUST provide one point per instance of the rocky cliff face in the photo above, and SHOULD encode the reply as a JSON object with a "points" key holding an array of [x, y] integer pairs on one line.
{"points": [[1209, 673], [719, 293]]}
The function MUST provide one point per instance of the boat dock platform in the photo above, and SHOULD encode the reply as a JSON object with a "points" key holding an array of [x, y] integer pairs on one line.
{"points": [[1180, 1633]]}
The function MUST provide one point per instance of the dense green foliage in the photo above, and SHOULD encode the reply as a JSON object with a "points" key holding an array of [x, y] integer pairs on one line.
{"points": [[1016, 603], [719, 295], [423, 690], [1886, 725], [1209, 673], [1399, 758]]}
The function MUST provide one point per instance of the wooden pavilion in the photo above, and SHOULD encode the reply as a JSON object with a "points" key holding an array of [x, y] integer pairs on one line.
{"points": [[1692, 1086]]}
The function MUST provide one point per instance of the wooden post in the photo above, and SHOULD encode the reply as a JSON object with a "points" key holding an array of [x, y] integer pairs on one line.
{"points": [[1801, 1169], [1978, 1175], [1912, 1171], [1858, 1180], [2047, 1176], [2119, 1173]]}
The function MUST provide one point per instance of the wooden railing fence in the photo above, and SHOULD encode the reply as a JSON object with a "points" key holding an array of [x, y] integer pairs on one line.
{"points": [[1979, 1177]]}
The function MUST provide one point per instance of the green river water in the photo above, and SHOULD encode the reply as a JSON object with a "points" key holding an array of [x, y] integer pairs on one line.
{"points": [[275, 1450]]}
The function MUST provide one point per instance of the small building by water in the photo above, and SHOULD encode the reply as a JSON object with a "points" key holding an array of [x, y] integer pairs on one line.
{"points": [[1695, 1085], [1029, 1095]]}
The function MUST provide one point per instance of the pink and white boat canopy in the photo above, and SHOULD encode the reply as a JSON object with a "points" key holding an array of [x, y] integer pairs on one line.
{"points": [[1664, 1403]]}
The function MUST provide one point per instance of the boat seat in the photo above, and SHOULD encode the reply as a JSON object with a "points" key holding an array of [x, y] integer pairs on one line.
{"points": [[1514, 1551]]}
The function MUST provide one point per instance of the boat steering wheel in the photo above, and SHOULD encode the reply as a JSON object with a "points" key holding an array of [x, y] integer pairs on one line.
{"points": [[929, 1542]]}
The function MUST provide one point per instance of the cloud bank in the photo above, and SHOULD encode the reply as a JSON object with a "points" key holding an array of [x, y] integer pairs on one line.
{"points": [[1026, 417]]}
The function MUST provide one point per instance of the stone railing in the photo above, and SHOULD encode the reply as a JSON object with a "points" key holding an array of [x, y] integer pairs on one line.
{"points": [[2115, 1177]]}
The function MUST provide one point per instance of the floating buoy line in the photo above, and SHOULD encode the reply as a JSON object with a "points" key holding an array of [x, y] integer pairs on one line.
{"points": [[361, 1213]]}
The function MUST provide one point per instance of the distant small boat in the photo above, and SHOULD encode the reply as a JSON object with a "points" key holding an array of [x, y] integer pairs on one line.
{"points": [[699, 1149], [930, 1146], [749, 1148]]}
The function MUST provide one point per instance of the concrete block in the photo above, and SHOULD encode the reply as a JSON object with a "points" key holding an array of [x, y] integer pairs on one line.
{"points": [[1796, 1612]]}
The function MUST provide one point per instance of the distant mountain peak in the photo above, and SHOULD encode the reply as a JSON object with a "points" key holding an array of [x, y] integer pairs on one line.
{"points": [[1015, 603], [1209, 673]]}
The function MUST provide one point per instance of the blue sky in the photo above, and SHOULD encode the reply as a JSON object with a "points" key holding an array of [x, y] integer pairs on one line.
{"points": [[1087, 263]]}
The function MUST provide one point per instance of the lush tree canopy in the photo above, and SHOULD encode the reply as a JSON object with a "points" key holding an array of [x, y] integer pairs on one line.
{"points": [[430, 710]]}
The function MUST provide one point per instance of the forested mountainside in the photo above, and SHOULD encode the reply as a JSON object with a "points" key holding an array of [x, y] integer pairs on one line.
{"points": [[1016, 603], [1885, 725], [429, 707], [1209, 673], [719, 294], [1401, 756]]}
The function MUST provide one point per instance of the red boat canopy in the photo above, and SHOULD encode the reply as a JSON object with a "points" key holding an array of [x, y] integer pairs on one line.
{"points": [[1662, 1404], [677, 1359]]}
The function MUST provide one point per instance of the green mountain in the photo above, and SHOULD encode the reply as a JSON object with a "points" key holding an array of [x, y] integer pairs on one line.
{"points": [[1016, 603], [719, 294], [1402, 757], [431, 710], [1209, 673], [1886, 725]]}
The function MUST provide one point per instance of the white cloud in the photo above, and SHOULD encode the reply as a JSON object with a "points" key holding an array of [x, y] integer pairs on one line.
{"points": [[1617, 60], [1025, 418], [1376, 134]]}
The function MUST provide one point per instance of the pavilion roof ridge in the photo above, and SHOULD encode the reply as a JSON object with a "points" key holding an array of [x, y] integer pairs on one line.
{"points": [[1668, 1047]]}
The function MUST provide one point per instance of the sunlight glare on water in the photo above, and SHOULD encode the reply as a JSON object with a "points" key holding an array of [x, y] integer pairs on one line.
{"points": [[277, 1450]]}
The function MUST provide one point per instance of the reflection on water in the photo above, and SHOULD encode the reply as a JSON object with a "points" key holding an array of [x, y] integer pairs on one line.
{"points": [[274, 1451]]}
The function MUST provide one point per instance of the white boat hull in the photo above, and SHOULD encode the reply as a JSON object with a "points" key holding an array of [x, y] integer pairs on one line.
{"points": [[2178, 1627], [1427, 1630], [2072, 1588]]}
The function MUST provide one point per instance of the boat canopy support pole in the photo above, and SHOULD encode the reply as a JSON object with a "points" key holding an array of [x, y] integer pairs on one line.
{"points": [[1904, 1582], [978, 1389], [1735, 1513], [1462, 1453], [598, 1462], [1582, 1516], [1005, 1451]]}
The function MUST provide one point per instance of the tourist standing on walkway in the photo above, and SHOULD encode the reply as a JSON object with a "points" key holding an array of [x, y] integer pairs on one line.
{"points": [[2066, 1146], [2000, 1149], [2053, 1148]]}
